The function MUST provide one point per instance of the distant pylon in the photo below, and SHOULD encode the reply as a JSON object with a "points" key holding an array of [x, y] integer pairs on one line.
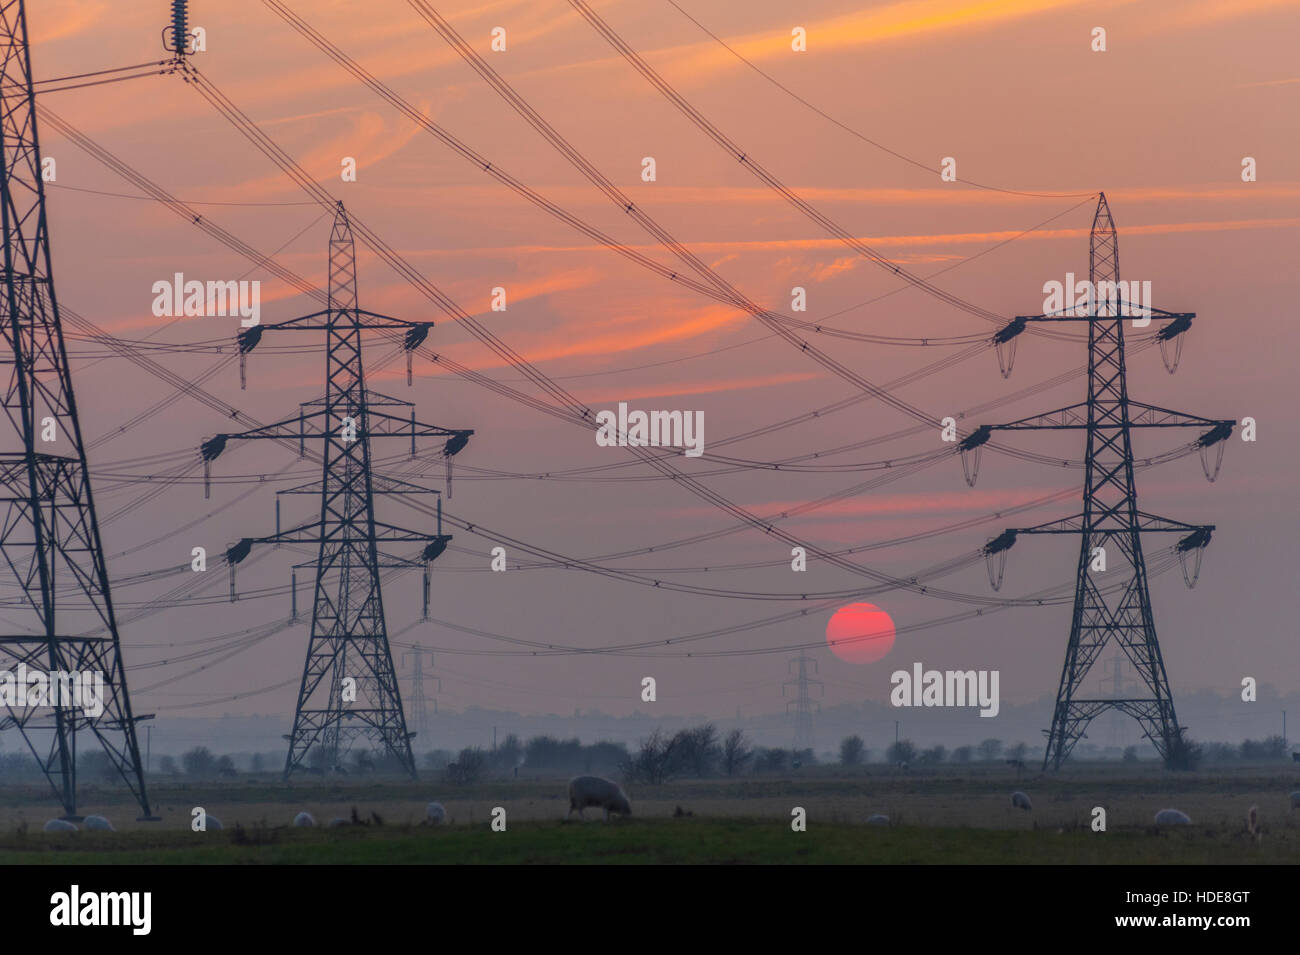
{"points": [[419, 704], [804, 705], [1119, 688], [349, 687], [63, 621], [1111, 596]]}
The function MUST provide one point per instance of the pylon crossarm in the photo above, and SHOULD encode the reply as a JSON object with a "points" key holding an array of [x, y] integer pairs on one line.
{"points": [[300, 323], [381, 425], [311, 487], [1071, 416], [277, 431], [313, 322], [422, 429], [1074, 525], [1161, 313], [310, 534], [1064, 315], [1153, 416], [1065, 525], [1153, 523], [390, 532], [384, 484], [375, 320]]}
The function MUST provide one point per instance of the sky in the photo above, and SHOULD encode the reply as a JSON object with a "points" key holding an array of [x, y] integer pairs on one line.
{"points": [[1014, 92]]}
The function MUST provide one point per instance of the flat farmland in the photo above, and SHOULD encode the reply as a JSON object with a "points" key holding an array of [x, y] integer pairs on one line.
{"points": [[939, 816]]}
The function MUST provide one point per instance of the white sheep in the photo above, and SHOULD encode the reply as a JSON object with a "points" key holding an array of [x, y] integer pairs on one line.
{"points": [[435, 814], [1020, 801], [304, 820], [1172, 817], [586, 791], [98, 822], [1295, 800], [60, 825], [879, 819]]}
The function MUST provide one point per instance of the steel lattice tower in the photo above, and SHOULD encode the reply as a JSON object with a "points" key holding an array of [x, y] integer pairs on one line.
{"points": [[349, 687], [1110, 520], [419, 702], [803, 703], [64, 619]]}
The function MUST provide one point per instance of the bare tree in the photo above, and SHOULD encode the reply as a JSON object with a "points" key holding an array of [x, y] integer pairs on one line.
{"points": [[655, 757], [695, 750], [771, 760], [990, 749], [851, 750], [935, 754], [904, 751], [199, 761], [468, 768], [735, 752]]}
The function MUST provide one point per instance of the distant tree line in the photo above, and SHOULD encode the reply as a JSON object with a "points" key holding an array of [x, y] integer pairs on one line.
{"points": [[693, 752]]}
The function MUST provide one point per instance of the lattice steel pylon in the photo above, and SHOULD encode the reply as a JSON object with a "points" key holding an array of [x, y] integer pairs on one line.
{"points": [[419, 702], [63, 621], [349, 687], [804, 705], [1113, 604]]}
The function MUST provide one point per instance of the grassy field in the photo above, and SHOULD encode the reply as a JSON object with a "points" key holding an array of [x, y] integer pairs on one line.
{"points": [[936, 817], [690, 840]]}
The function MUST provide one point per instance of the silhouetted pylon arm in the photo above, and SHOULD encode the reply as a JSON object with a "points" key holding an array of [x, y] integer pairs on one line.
{"points": [[1141, 416]]}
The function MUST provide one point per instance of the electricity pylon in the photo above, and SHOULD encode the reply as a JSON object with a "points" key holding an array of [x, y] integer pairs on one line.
{"points": [[803, 703], [64, 620], [419, 703], [349, 686], [1110, 525]]}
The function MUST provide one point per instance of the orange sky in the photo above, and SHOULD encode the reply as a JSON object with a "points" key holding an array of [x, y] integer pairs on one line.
{"points": [[1161, 121]]}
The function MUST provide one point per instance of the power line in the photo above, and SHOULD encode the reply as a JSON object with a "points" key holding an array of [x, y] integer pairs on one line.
{"points": [[853, 132]]}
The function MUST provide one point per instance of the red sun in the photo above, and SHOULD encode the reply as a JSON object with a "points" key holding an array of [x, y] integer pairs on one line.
{"points": [[860, 633]]}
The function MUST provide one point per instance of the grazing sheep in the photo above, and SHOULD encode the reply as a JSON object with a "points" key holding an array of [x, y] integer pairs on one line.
{"points": [[60, 825], [435, 814], [879, 819], [98, 822], [1295, 800], [1172, 817], [586, 791], [304, 819], [1020, 801]]}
